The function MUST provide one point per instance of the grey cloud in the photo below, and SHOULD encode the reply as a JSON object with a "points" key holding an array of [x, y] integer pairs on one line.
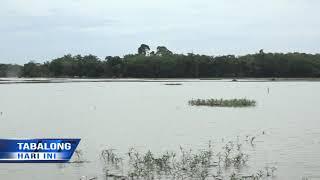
{"points": [[45, 29], [44, 23]]}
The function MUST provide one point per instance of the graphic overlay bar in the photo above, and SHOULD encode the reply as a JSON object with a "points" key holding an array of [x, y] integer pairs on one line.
{"points": [[37, 150]]}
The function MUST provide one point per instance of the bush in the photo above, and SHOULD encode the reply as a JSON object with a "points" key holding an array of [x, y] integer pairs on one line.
{"points": [[222, 102]]}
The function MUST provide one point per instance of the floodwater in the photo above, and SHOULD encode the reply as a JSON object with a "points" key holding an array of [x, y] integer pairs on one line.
{"points": [[151, 115]]}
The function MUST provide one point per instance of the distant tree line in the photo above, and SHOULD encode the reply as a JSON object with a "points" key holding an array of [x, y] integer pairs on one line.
{"points": [[10, 70], [162, 63]]}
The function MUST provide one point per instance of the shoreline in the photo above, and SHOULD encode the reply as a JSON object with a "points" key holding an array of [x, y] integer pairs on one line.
{"points": [[79, 80]]}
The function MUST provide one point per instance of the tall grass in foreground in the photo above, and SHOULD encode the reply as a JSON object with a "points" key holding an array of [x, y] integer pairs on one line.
{"points": [[223, 102], [185, 164]]}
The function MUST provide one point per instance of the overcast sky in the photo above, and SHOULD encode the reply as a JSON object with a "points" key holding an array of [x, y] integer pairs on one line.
{"points": [[44, 29]]}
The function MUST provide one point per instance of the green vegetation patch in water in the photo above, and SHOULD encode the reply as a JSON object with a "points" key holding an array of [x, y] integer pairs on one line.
{"points": [[173, 84], [210, 162], [223, 102]]}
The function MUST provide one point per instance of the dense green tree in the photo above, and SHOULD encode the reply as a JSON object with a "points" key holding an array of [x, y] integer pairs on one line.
{"points": [[10, 70], [143, 49], [163, 51], [115, 66], [33, 69]]}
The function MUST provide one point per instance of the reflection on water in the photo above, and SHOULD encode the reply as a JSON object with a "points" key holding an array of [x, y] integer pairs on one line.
{"points": [[150, 115]]}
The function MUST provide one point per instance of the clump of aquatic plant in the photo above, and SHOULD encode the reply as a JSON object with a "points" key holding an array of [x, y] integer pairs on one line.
{"points": [[223, 102], [269, 171], [202, 164], [111, 162], [88, 178], [173, 84], [109, 156]]}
